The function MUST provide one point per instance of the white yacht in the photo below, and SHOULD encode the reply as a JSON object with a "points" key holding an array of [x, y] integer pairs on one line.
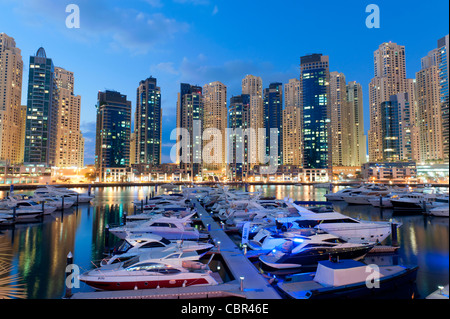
{"points": [[50, 190], [135, 245], [148, 271], [172, 228], [348, 228], [20, 202], [303, 251]]}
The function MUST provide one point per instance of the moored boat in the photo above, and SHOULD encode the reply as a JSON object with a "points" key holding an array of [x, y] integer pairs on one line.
{"points": [[349, 279], [178, 269]]}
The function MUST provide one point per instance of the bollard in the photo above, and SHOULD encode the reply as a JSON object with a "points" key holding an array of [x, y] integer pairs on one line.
{"points": [[69, 261], [394, 234]]}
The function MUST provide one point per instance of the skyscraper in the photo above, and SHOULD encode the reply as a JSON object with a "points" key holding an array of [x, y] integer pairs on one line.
{"points": [[69, 144], [358, 148], [112, 147], [148, 123], [389, 79], [429, 112], [340, 121], [252, 86], [237, 141], [42, 111], [316, 112], [189, 129], [292, 129], [443, 67], [396, 124], [11, 117], [215, 117], [273, 120]]}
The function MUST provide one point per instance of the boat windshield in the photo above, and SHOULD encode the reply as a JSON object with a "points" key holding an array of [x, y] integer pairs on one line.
{"points": [[124, 247]]}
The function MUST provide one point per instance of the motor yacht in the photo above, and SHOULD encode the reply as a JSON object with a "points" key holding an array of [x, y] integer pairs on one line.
{"points": [[304, 251], [439, 211], [172, 228], [348, 228], [347, 279], [362, 197], [134, 245], [20, 202], [149, 271], [50, 190]]}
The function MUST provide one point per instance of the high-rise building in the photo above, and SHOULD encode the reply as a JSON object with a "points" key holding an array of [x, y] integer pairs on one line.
{"points": [[356, 132], [316, 112], [443, 67], [429, 111], [273, 120], [292, 129], [148, 123], [215, 119], [252, 86], [237, 141], [69, 144], [396, 124], [42, 111], [112, 147], [340, 120], [11, 117], [389, 79], [190, 129]]}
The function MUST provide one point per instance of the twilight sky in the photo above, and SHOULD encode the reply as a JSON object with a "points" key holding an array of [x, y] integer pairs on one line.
{"points": [[120, 43]]}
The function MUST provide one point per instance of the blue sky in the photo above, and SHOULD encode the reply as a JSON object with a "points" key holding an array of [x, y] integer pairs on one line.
{"points": [[120, 43]]}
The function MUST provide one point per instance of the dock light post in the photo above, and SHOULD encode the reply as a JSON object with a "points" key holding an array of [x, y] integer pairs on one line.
{"points": [[241, 280], [440, 289], [245, 249], [68, 292], [218, 246]]}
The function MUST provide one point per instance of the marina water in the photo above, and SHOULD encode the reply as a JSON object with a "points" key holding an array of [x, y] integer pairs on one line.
{"points": [[37, 252]]}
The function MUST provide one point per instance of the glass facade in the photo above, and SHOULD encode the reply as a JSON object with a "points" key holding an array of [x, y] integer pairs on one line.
{"points": [[273, 119], [314, 78], [42, 111], [148, 121], [113, 132], [190, 117], [237, 142]]}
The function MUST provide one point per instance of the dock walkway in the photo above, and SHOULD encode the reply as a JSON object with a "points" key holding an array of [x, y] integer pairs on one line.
{"points": [[255, 285]]}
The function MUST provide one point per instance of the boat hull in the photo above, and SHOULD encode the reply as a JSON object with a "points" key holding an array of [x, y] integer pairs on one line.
{"points": [[314, 256], [402, 286], [146, 284]]}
